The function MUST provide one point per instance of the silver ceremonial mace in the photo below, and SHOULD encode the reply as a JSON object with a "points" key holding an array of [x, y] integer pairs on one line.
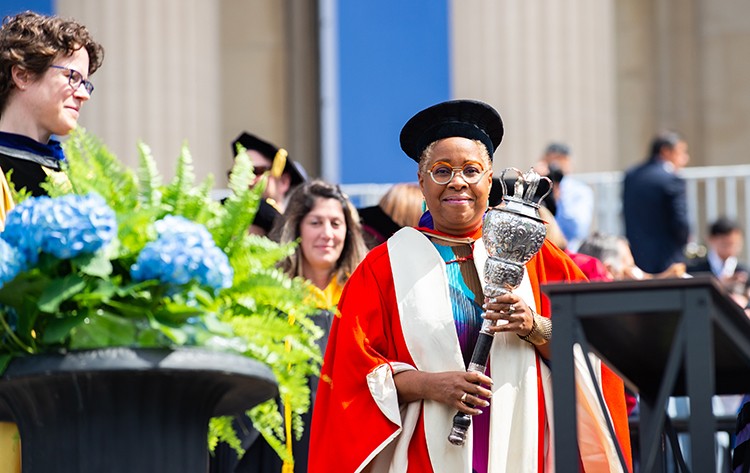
{"points": [[513, 232]]}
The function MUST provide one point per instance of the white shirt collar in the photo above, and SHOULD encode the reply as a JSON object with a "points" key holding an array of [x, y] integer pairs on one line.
{"points": [[721, 268], [668, 166]]}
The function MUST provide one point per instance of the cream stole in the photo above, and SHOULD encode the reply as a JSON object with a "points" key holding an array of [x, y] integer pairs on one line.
{"points": [[421, 287], [426, 317]]}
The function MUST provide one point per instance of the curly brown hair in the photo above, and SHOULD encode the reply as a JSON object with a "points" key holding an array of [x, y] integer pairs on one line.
{"points": [[33, 41]]}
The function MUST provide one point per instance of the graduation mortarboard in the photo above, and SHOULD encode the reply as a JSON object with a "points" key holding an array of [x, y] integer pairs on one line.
{"points": [[465, 118], [252, 142]]}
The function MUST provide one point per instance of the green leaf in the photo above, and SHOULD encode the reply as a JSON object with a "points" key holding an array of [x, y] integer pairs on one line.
{"points": [[177, 335], [60, 290], [26, 285], [175, 313], [26, 324], [148, 337], [4, 361], [216, 326], [103, 330], [59, 328], [99, 293], [97, 265]]}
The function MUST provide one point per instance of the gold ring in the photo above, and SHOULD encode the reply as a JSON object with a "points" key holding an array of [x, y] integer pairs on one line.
{"points": [[463, 397]]}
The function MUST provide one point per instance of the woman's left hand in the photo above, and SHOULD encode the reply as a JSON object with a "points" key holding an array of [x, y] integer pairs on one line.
{"points": [[510, 314]]}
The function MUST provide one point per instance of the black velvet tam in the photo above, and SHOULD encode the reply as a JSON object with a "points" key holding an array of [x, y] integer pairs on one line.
{"points": [[252, 142], [378, 223], [463, 118]]}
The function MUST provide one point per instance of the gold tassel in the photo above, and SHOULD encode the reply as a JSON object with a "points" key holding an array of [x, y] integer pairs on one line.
{"points": [[279, 162], [287, 467]]}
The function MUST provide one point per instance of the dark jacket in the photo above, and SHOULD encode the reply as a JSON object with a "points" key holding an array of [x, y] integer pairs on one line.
{"points": [[739, 286], [655, 210]]}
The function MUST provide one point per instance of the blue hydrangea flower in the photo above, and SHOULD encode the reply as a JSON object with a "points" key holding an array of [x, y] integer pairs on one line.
{"points": [[177, 225], [12, 262], [184, 251], [23, 227], [65, 226]]}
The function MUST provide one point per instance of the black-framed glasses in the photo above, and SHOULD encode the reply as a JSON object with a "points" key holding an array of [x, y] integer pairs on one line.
{"points": [[442, 173], [75, 79]]}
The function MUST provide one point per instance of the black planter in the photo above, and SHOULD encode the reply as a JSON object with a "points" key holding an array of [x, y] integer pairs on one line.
{"points": [[122, 410]]}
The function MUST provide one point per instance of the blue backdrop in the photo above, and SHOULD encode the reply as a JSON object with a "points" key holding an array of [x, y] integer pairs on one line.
{"points": [[393, 61], [11, 7]]}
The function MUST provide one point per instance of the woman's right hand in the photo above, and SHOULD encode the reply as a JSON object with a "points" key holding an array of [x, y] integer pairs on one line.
{"points": [[458, 389]]}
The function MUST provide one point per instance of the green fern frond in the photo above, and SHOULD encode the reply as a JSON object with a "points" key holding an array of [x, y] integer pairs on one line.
{"points": [[241, 176], [241, 206], [272, 288], [267, 419], [176, 193], [198, 205], [136, 229], [262, 329], [91, 167], [149, 179], [254, 252], [17, 195], [220, 429]]}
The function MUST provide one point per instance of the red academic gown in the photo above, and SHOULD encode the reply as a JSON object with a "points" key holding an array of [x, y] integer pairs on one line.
{"points": [[348, 427]]}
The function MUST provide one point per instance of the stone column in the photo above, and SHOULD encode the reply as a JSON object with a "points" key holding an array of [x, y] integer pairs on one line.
{"points": [[548, 68], [160, 81]]}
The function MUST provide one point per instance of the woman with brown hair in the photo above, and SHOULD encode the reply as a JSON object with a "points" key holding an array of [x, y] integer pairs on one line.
{"points": [[327, 226], [330, 246]]}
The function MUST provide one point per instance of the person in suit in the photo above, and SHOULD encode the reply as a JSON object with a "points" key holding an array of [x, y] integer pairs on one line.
{"points": [[724, 242], [725, 239], [654, 205]]}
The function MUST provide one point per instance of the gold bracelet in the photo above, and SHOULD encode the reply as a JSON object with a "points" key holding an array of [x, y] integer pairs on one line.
{"points": [[541, 331]]}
